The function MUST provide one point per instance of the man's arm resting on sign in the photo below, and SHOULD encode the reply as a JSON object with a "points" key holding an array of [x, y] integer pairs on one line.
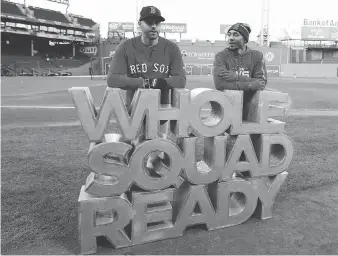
{"points": [[177, 74], [239, 82], [221, 84], [251, 84], [117, 74], [123, 82]]}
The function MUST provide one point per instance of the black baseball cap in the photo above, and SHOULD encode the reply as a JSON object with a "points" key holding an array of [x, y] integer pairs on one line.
{"points": [[151, 12], [242, 28]]}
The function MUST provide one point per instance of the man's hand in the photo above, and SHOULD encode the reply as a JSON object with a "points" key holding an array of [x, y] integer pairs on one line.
{"points": [[230, 76], [256, 86], [147, 83], [156, 83], [159, 83]]}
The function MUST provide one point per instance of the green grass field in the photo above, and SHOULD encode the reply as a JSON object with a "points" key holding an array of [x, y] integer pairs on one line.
{"points": [[44, 167]]}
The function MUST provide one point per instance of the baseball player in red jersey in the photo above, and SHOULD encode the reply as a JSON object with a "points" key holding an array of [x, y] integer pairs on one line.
{"points": [[147, 61], [238, 67]]}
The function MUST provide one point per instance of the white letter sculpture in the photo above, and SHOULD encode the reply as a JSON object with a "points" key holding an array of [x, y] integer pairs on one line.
{"points": [[215, 171]]}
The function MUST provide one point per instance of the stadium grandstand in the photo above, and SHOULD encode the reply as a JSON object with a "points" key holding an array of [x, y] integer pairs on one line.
{"points": [[37, 41]]}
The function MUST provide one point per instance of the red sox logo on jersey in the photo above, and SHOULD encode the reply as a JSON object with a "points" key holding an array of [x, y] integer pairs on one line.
{"points": [[143, 68]]}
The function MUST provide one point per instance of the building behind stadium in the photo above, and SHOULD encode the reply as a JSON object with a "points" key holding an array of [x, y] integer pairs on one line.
{"points": [[36, 41]]}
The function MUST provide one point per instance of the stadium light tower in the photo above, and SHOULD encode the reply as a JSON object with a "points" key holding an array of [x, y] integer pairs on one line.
{"points": [[65, 2], [139, 5], [136, 17], [265, 24]]}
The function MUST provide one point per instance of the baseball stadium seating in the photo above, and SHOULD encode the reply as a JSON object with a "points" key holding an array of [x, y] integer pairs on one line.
{"points": [[36, 40]]}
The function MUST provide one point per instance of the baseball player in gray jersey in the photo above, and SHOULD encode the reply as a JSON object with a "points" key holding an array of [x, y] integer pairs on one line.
{"points": [[238, 67]]}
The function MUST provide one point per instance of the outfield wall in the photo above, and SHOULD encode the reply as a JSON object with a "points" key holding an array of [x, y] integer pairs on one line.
{"points": [[309, 70], [199, 61], [205, 55]]}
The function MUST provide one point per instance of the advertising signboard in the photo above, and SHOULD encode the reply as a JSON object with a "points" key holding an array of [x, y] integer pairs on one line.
{"points": [[174, 28], [319, 33], [205, 55], [334, 33], [199, 54], [273, 71], [316, 33], [120, 27], [89, 50], [321, 23]]}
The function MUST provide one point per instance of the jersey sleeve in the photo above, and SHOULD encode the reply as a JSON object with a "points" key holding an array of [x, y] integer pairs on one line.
{"points": [[219, 65], [177, 75], [118, 70], [260, 73]]}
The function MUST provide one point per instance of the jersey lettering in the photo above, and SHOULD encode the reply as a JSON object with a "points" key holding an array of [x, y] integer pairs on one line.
{"points": [[242, 71], [143, 68], [162, 67], [132, 69], [138, 68], [155, 67]]}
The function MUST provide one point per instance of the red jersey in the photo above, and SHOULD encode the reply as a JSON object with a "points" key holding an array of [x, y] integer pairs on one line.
{"points": [[134, 60]]}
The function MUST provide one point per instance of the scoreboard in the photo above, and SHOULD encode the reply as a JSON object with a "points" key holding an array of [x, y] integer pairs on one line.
{"points": [[319, 33]]}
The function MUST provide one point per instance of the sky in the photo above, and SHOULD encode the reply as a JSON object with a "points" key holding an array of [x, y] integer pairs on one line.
{"points": [[203, 17]]}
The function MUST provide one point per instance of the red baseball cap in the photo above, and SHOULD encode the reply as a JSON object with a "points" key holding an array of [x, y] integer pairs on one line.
{"points": [[151, 12]]}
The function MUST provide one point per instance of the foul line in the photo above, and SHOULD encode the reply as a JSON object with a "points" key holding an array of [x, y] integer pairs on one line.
{"points": [[72, 107], [38, 107], [43, 92], [289, 112], [60, 90]]}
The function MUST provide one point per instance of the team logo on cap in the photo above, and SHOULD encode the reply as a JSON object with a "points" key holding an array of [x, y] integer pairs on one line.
{"points": [[152, 10]]}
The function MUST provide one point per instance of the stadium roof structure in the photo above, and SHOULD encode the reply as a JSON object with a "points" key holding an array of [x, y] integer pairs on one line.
{"points": [[83, 21], [60, 1], [45, 14], [15, 11], [11, 8]]}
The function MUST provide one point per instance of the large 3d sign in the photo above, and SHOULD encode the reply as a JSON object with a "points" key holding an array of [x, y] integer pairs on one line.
{"points": [[218, 166]]}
